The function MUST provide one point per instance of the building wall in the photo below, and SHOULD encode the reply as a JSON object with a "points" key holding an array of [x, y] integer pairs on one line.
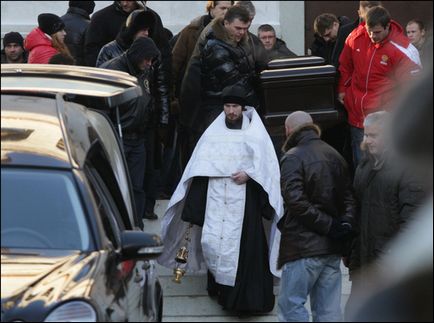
{"points": [[286, 16]]}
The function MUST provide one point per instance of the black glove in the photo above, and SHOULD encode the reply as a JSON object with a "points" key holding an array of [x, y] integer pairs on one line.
{"points": [[340, 230]]}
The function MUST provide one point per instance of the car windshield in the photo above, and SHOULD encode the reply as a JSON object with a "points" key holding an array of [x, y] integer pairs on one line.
{"points": [[41, 209]]}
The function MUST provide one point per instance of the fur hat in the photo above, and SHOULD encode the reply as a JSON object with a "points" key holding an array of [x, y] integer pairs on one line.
{"points": [[140, 19], [50, 23]]}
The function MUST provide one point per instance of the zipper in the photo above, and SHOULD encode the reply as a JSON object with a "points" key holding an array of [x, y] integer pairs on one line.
{"points": [[366, 85]]}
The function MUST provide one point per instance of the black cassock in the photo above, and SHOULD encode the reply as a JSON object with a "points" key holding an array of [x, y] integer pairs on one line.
{"points": [[253, 290]]}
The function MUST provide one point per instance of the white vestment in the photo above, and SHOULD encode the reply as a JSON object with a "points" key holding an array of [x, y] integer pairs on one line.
{"points": [[219, 153]]}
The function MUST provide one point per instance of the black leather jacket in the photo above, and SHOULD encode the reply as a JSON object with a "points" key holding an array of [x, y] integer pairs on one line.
{"points": [[223, 65], [316, 188], [76, 22]]}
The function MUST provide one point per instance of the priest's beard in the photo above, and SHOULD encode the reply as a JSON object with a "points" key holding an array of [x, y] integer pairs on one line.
{"points": [[234, 124]]}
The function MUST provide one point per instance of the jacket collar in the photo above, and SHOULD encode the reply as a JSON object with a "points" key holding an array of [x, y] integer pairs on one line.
{"points": [[302, 135], [79, 11], [221, 33]]}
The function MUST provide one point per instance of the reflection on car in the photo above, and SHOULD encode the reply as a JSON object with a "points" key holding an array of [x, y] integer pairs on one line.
{"points": [[71, 247]]}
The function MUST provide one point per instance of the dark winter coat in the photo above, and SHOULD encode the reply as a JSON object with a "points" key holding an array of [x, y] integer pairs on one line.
{"points": [[76, 21], [105, 25], [217, 62], [343, 33], [387, 197], [325, 49], [137, 114], [316, 188], [184, 47], [280, 51], [161, 80]]}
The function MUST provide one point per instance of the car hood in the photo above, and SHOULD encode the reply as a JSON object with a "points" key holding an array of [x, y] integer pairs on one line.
{"points": [[28, 275]]}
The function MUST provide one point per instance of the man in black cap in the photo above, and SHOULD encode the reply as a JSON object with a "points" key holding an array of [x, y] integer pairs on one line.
{"points": [[139, 24], [229, 185], [76, 21], [13, 49], [136, 115]]}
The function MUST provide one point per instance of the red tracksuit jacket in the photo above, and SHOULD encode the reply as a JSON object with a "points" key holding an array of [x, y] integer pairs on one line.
{"points": [[370, 72]]}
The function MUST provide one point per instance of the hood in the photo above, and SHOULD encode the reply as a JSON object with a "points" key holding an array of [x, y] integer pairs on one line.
{"points": [[397, 35], [36, 38], [294, 138], [220, 32], [29, 275]]}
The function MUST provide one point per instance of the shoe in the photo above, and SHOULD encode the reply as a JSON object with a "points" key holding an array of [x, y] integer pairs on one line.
{"points": [[150, 216]]}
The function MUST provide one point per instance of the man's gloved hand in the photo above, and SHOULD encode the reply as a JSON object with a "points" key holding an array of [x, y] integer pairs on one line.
{"points": [[340, 230]]}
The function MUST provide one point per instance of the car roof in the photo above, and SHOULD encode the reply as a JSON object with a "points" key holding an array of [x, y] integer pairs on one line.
{"points": [[107, 88], [44, 132]]}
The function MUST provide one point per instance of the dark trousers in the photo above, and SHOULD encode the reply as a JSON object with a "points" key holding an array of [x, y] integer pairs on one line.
{"points": [[151, 178], [135, 154]]}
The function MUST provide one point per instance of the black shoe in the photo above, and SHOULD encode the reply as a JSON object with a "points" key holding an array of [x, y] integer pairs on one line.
{"points": [[150, 216]]}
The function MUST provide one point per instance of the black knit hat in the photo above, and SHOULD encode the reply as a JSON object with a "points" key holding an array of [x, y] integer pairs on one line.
{"points": [[88, 6], [50, 23], [234, 94], [142, 48], [13, 37]]}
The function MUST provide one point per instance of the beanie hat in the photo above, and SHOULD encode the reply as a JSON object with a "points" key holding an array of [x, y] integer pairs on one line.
{"points": [[234, 94], [88, 6], [13, 37], [50, 23], [142, 48]]}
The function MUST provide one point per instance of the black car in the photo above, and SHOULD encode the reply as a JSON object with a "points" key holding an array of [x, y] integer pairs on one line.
{"points": [[71, 246]]}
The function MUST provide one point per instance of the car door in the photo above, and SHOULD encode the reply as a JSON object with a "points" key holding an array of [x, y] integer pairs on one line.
{"points": [[131, 273]]}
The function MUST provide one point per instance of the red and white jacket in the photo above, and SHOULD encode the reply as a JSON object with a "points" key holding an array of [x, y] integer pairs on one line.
{"points": [[369, 73]]}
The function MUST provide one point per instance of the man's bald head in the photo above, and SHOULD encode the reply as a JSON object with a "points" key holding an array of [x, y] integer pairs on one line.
{"points": [[295, 120]]}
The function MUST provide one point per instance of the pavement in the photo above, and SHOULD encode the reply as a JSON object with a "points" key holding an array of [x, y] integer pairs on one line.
{"points": [[189, 301]]}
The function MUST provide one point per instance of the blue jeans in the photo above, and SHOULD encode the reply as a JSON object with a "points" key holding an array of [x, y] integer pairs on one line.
{"points": [[356, 140], [319, 277]]}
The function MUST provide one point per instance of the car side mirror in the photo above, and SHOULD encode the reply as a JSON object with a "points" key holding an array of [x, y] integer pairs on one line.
{"points": [[140, 245]]}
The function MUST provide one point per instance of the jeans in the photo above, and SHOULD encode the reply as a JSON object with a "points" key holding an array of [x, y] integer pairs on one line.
{"points": [[356, 140], [319, 277]]}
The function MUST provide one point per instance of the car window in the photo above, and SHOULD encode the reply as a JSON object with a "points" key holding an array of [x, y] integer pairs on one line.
{"points": [[41, 209], [110, 216], [115, 157]]}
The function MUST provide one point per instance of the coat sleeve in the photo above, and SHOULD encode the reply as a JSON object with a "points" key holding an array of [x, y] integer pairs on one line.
{"points": [[93, 41], [104, 56], [346, 67], [179, 56], [408, 64], [296, 199], [411, 194], [195, 202]]}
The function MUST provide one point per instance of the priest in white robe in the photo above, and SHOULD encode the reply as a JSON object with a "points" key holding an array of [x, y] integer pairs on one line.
{"points": [[231, 183]]}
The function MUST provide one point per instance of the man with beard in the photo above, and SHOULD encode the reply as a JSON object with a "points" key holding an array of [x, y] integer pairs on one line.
{"points": [[229, 185]]}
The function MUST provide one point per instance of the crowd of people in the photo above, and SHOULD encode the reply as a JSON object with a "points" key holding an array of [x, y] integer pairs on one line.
{"points": [[201, 102]]}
